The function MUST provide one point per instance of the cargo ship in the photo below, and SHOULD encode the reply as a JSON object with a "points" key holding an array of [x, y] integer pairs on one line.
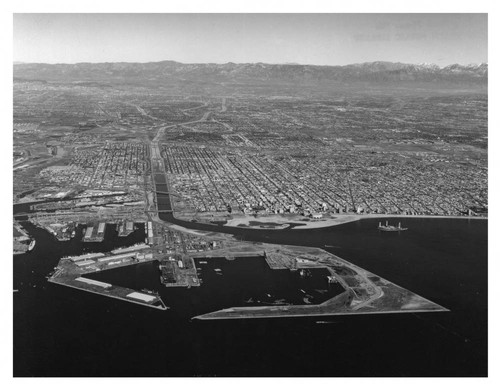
{"points": [[390, 228]]}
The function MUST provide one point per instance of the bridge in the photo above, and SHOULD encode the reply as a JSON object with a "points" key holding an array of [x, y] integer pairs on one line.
{"points": [[166, 193]]}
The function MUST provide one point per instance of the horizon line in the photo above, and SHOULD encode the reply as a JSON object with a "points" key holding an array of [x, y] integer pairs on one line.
{"points": [[247, 63]]}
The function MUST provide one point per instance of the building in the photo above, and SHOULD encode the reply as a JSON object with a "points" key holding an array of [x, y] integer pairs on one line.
{"points": [[93, 282], [141, 297], [84, 263], [88, 233]]}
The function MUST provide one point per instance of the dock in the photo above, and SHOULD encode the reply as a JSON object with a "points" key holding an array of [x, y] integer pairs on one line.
{"points": [[111, 291], [86, 256], [179, 272], [71, 271], [364, 292], [133, 248], [125, 228], [94, 232]]}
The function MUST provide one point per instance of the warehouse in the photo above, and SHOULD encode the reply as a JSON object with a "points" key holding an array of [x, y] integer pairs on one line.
{"points": [[89, 231], [93, 282], [101, 228], [142, 297], [84, 263]]}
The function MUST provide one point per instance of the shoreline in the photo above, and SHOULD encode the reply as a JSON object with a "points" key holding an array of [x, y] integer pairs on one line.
{"points": [[119, 297], [276, 314], [243, 221]]}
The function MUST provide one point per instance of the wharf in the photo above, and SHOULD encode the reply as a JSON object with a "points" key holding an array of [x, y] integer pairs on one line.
{"points": [[94, 233], [70, 272], [294, 312], [365, 292], [180, 272], [111, 291], [125, 228], [133, 248], [228, 254]]}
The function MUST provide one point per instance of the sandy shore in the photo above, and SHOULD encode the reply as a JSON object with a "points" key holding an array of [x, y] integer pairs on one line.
{"points": [[243, 221]]}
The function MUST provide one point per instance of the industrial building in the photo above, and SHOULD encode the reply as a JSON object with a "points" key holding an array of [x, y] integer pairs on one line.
{"points": [[88, 233], [84, 263], [101, 228], [142, 297], [116, 257], [130, 249], [93, 282], [86, 256]]}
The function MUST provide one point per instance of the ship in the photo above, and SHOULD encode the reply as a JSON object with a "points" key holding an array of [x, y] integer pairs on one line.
{"points": [[390, 228], [32, 245]]}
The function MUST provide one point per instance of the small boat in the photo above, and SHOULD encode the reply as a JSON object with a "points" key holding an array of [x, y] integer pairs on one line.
{"points": [[32, 245], [390, 228]]}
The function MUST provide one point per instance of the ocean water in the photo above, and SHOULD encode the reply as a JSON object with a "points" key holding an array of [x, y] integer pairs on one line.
{"points": [[65, 332]]}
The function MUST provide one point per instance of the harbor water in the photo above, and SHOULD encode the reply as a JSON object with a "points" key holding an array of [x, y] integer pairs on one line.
{"points": [[60, 331]]}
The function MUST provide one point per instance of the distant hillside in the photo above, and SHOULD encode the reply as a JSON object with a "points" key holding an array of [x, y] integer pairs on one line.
{"points": [[372, 72]]}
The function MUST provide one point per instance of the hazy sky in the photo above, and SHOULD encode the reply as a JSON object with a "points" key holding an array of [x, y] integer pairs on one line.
{"points": [[321, 39]]}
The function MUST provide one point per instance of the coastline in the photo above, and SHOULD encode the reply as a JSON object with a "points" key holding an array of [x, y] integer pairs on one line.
{"points": [[243, 221]]}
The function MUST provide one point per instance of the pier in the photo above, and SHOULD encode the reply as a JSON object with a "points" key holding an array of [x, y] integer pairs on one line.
{"points": [[94, 232], [111, 291], [71, 271], [179, 272]]}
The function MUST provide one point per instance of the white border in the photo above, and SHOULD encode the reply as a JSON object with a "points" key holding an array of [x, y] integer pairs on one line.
{"points": [[195, 6]]}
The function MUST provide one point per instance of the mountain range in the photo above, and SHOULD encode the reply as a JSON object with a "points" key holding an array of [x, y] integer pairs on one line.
{"points": [[370, 72]]}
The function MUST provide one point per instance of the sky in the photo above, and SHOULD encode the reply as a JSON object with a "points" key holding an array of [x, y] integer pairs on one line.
{"points": [[318, 39]]}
